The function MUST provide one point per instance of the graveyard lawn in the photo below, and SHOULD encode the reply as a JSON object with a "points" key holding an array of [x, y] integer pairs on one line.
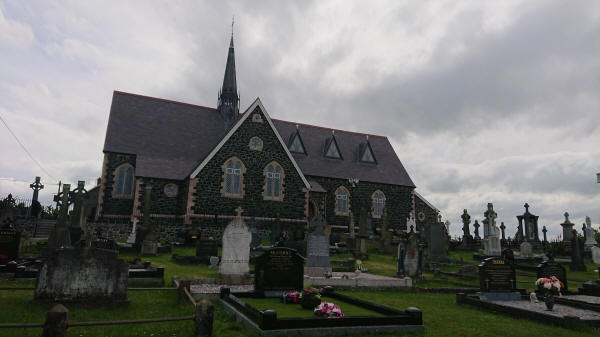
{"points": [[296, 310]]}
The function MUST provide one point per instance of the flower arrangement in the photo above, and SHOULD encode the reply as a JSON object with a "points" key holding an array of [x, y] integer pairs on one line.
{"points": [[292, 297], [310, 298], [550, 286], [329, 310]]}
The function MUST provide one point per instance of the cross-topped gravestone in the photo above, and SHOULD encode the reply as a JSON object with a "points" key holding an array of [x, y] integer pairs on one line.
{"points": [[530, 222], [502, 228], [466, 219], [60, 235], [234, 267], [590, 234], [351, 225], [576, 253], [490, 219], [78, 195], [544, 230], [36, 186]]}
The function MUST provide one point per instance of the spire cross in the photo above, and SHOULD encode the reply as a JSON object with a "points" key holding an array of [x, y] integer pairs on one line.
{"points": [[239, 211], [526, 207], [232, 22]]}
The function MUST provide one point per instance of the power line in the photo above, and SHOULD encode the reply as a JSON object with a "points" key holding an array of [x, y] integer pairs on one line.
{"points": [[25, 149]]}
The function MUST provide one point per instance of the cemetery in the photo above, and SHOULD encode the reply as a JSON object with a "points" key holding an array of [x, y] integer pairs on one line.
{"points": [[218, 221]]}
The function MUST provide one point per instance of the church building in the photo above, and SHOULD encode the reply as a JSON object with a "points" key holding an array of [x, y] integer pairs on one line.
{"points": [[202, 163]]}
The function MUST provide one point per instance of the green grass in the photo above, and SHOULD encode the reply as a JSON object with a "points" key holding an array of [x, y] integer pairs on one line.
{"points": [[296, 310], [172, 268], [443, 317]]}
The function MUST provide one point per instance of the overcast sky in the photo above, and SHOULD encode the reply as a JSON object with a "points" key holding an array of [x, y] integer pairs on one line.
{"points": [[483, 101]]}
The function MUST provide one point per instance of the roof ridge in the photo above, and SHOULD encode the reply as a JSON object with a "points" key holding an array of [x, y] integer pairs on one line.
{"points": [[164, 100], [330, 129]]}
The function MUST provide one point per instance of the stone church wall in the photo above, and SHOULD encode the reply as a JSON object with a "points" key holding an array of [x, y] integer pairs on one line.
{"points": [[398, 201], [110, 205]]}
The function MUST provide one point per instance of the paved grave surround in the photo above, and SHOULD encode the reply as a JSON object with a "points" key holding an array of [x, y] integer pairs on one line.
{"points": [[347, 280]]}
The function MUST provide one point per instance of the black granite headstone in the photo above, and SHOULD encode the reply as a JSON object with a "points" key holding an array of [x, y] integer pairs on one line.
{"points": [[551, 268], [206, 248], [279, 269], [497, 275], [9, 244]]}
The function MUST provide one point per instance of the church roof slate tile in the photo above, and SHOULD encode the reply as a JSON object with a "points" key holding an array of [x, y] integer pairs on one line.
{"points": [[170, 138]]}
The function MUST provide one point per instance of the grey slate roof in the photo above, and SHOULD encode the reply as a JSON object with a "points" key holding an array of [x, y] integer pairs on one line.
{"points": [[388, 170], [171, 138]]}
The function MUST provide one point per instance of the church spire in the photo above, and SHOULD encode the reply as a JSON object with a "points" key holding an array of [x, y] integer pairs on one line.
{"points": [[229, 99]]}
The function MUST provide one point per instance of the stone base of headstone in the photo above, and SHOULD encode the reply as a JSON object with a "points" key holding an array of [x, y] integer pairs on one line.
{"points": [[361, 248], [149, 248], [60, 237], [235, 279], [83, 275], [316, 271], [591, 288], [76, 234]]}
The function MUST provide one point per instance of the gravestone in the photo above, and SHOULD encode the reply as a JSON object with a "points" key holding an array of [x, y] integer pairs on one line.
{"points": [[437, 242], [386, 237], [401, 257], [467, 239], [590, 234], [351, 229], [370, 231], [497, 275], [78, 216], [476, 230], [361, 239], [207, 248], [213, 262], [36, 186], [489, 218], [234, 268], [544, 230], [576, 253], [277, 270], [551, 268], [491, 243], [60, 235], [255, 242], [317, 251], [149, 244], [596, 255], [526, 249], [413, 258], [508, 255], [567, 227], [9, 243], [132, 235], [83, 275], [530, 223]]}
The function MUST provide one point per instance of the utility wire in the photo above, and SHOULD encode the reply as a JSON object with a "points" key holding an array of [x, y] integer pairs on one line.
{"points": [[25, 149]]}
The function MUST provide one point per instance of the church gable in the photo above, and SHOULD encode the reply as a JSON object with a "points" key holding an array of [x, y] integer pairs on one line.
{"points": [[251, 167]]}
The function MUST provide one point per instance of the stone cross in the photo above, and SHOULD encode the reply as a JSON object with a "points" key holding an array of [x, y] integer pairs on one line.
{"points": [[526, 207], [567, 217], [78, 196], [584, 232], [351, 226], [544, 230], [502, 228], [147, 226], [36, 187], [490, 219], [238, 211], [363, 221], [60, 236], [476, 226], [466, 219]]}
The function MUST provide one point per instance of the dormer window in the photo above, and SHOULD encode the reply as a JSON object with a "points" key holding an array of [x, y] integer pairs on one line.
{"points": [[331, 149], [365, 153], [296, 144]]}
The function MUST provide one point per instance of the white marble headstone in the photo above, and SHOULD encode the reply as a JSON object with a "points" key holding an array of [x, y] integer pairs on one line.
{"points": [[236, 248], [526, 249], [596, 255]]}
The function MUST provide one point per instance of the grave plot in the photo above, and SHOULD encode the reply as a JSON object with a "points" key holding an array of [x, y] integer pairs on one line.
{"points": [[267, 317], [498, 293]]}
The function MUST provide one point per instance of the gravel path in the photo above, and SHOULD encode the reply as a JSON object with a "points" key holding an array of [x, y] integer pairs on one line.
{"points": [[559, 310]]}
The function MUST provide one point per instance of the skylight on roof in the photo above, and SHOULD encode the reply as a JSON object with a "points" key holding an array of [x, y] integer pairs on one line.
{"points": [[296, 146], [332, 150], [367, 154]]}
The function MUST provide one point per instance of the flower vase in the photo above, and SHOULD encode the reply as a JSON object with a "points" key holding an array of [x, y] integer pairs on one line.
{"points": [[549, 301]]}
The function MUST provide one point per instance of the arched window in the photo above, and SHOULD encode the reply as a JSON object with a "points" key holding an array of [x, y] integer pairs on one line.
{"points": [[378, 199], [123, 185], [342, 200], [233, 178], [273, 189]]}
